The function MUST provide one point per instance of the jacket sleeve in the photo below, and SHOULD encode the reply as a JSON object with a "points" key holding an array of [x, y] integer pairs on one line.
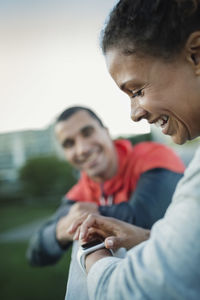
{"points": [[44, 248], [149, 201], [167, 265], [164, 267]]}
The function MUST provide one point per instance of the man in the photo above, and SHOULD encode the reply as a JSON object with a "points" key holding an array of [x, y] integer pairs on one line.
{"points": [[117, 180]]}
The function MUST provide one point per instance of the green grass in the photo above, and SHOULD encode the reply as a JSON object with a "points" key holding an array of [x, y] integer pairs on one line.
{"points": [[19, 281], [12, 216]]}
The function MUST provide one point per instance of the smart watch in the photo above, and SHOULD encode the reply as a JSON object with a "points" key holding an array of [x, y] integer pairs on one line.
{"points": [[87, 248]]}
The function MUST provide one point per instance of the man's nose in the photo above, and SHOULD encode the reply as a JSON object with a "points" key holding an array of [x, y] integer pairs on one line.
{"points": [[82, 147], [138, 113]]}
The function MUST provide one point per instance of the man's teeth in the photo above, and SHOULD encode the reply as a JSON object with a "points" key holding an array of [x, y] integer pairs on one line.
{"points": [[161, 122], [92, 157]]}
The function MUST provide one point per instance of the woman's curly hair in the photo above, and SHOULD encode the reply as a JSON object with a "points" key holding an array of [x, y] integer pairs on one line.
{"points": [[155, 27]]}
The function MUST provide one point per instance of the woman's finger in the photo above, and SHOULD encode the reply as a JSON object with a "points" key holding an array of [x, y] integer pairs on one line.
{"points": [[106, 225], [114, 243], [93, 233], [90, 221]]}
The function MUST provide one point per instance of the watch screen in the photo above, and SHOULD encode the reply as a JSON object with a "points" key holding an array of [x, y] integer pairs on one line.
{"points": [[91, 244]]}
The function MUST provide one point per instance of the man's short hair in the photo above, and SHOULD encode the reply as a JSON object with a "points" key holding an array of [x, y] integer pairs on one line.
{"points": [[67, 113]]}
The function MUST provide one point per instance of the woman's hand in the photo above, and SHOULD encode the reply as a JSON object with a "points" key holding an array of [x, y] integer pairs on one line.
{"points": [[78, 212], [116, 233]]}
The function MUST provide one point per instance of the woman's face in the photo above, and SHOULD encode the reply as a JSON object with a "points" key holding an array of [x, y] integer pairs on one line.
{"points": [[166, 94]]}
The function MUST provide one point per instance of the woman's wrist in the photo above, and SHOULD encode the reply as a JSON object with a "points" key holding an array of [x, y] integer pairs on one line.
{"points": [[91, 258]]}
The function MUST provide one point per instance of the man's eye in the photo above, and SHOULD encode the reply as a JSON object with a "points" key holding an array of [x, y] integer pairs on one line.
{"points": [[139, 93], [68, 144]]}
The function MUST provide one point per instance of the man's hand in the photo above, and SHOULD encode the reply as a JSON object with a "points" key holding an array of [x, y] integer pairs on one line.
{"points": [[78, 212], [116, 233], [82, 207]]}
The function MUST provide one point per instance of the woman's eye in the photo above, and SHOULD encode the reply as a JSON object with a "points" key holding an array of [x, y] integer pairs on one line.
{"points": [[139, 93]]}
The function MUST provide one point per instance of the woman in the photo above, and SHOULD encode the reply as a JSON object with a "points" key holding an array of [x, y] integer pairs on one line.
{"points": [[152, 51]]}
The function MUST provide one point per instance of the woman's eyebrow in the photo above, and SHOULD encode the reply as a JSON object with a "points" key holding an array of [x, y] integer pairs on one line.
{"points": [[135, 84]]}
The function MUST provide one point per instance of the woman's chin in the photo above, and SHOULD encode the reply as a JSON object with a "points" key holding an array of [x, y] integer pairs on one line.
{"points": [[180, 140]]}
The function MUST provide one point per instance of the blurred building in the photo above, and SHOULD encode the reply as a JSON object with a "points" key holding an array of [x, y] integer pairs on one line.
{"points": [[17, 147]]}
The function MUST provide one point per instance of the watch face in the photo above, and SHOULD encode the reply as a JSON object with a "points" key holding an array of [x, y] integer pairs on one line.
{"points": [[91, 244]]}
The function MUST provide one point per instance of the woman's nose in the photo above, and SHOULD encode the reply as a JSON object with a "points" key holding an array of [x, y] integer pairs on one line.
{"points": [[138, 113]]}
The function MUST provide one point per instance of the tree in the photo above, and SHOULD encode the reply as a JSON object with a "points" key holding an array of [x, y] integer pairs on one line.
{"points": [[44, 176]]}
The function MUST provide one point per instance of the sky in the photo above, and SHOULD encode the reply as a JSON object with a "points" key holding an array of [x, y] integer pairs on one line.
{"points": [[50, 59]]}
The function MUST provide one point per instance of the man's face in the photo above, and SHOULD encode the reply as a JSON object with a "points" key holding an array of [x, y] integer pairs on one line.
{"points": [[87, 145], [166, 94]]}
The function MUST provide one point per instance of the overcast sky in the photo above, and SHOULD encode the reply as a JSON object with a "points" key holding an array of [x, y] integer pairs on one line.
{"points": [[50, 59]]}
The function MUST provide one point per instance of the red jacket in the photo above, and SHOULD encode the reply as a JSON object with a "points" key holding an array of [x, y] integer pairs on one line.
{"points": [[133, 161]]}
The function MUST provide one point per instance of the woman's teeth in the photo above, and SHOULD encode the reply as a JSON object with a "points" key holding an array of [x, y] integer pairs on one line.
{"points": [[162, 122]]}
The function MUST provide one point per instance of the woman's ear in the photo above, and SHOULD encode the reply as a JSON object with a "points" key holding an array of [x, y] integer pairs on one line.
{"points": [[193, 51]]}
